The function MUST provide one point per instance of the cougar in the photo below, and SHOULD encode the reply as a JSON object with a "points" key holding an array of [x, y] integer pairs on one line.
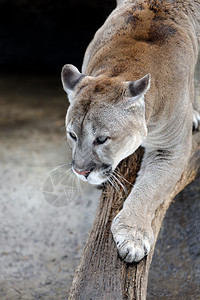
{"points": [[136, 88]]}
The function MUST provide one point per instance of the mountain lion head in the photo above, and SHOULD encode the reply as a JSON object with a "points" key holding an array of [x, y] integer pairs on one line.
{"points": [[105, 121]]}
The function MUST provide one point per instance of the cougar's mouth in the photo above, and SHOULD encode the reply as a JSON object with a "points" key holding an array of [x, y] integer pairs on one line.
{"points": [[94, 176]]}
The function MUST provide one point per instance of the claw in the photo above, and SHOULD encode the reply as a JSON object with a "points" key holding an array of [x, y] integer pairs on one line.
{"points": [[132, 246], [196, 120]]}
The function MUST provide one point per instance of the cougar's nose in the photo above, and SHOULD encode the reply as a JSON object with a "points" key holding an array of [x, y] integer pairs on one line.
{"points": [[82, 172]]}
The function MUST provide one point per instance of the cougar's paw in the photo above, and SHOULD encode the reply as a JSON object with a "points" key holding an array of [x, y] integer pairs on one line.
{"points": [[196, 120], [133, 240]]}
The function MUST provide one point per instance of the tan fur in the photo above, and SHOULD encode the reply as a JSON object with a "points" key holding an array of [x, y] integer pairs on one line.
{"points": [[141, 37]]}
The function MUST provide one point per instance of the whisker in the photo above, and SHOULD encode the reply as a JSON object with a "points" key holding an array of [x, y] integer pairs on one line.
{"points": [[121, 184], [64, 127], [61, 166], [65, 174], [68, 144], [122, 177], [111, 183], [64, 137], [114, 183], [70, 169]]}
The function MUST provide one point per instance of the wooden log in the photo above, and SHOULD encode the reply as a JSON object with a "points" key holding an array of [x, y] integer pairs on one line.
{"points": [[101, 274]]}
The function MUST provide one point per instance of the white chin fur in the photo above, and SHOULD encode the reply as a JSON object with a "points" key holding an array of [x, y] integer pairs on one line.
{"points": [[95, 178], [95, 181]]}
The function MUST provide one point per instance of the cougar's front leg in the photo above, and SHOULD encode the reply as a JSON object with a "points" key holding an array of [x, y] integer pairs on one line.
{"points": [[131, 228]]}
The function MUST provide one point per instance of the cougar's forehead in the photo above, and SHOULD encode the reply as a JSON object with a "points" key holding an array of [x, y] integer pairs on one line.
{"points": [[97, 118], [97, 104]]}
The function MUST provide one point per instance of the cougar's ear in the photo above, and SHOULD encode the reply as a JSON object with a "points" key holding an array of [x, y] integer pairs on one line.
{"points": [[70, 77], [136, 89]]}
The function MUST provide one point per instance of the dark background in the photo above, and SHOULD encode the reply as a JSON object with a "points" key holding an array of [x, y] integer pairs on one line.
{"points": [[43, 35]]}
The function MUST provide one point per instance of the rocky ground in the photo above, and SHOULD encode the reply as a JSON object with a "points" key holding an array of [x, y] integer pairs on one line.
{"points": [[44, 223]]}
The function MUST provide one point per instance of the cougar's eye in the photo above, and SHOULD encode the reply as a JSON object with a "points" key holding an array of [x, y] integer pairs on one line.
{"points": [[73, 136], [100, 140]]}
